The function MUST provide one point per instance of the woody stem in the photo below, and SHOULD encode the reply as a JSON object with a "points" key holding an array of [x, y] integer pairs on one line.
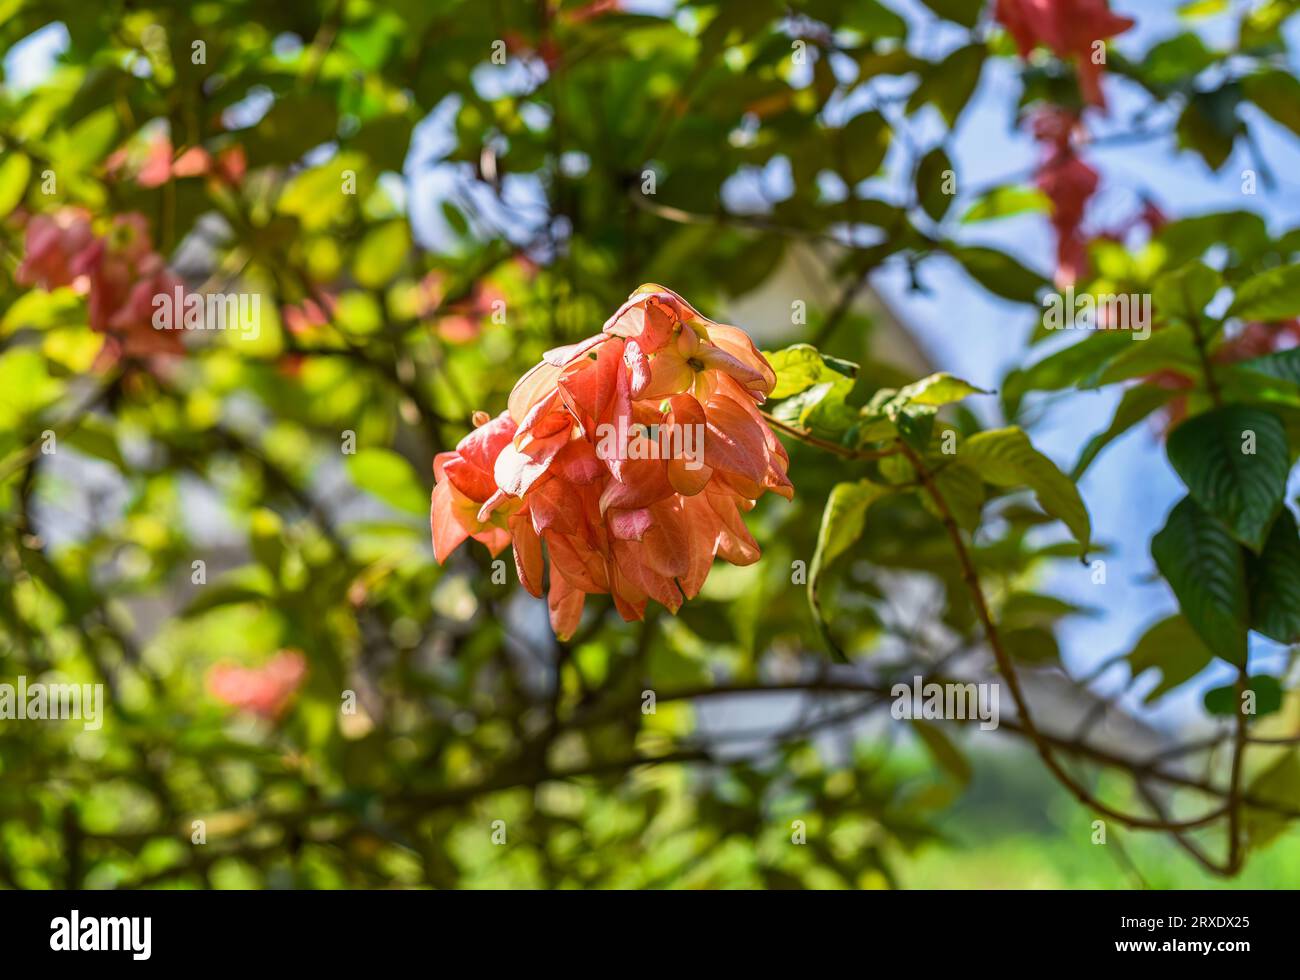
{"points": [[803, 435], [1007, 668]]}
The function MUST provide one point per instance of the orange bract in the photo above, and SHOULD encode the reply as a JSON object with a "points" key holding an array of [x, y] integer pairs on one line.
{"points": [[629, 458]]}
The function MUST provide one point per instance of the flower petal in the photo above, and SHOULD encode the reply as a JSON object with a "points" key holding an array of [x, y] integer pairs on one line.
{"points": [[565, 605], [733, 440], [528, 553], [448, 531]]}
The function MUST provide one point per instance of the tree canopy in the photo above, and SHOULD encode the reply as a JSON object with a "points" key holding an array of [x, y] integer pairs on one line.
{"points": [[363, 222]]}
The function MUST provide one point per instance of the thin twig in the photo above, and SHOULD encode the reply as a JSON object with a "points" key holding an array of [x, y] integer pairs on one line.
{"points": [[803, 435]]}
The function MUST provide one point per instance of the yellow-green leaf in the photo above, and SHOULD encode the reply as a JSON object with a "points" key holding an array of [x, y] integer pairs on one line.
{"points": [[1006, 458]]}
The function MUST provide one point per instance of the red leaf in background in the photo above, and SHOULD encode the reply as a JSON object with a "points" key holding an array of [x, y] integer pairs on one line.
{"points": [[263, 691], [1069, 28], [1068, 183]]}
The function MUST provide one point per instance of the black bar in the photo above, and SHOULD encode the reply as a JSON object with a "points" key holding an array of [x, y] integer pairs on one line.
{"points": [[336, 929]]}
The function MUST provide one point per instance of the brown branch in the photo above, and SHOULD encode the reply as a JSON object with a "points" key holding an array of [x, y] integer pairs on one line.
{"points": [[1138, 768], [1043, 743], [728, 219], [1008, 671], [1207, 367], [1183, 841], [803, 435], [1236, 854]]}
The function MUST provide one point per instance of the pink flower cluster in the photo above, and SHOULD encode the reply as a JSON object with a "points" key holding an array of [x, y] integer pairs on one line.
{"points": [[117, 271]]}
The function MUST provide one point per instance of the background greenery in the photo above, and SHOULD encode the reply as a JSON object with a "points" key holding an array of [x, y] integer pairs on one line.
{"points": [[501, 210]]}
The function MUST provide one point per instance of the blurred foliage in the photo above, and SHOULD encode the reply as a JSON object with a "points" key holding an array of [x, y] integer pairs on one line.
{"points": [[429, 196]]}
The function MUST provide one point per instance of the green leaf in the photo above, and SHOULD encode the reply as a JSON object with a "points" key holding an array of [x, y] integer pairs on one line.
{"points": [[455, 219], [39, 310], [821, 409], [1284, 365], [942, 750], [743, 20], [1261, 25], [841, 366], [1274, 583], [709, 621], [27, 387], [937, 389], [999, 273], [381, 254], [1031, 645], [1242, 232], [1209, 124], [96, 438], [1170, 348], [388, 476], [358, 312], [295, 123], [1172, 647], [314, 196], [950, 84], [897, 471], [1270, 296], [896, 61], [1136, 404], [1024, 609], [934, 177], [1278, 94], [1226, 700], [385, 140], [962, 490], [251, 583], [872, 18], [915, 423], [266, 538], [1242, 489], [801, 366], [872, 426], [843, 521], [1006, 458], [1186, 291], [1065, 368], [1006, 202], [1194, 9], [963, 12], [1205, 568], [87, 142], [864, 140], [15, 170], [1176, 60]]}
